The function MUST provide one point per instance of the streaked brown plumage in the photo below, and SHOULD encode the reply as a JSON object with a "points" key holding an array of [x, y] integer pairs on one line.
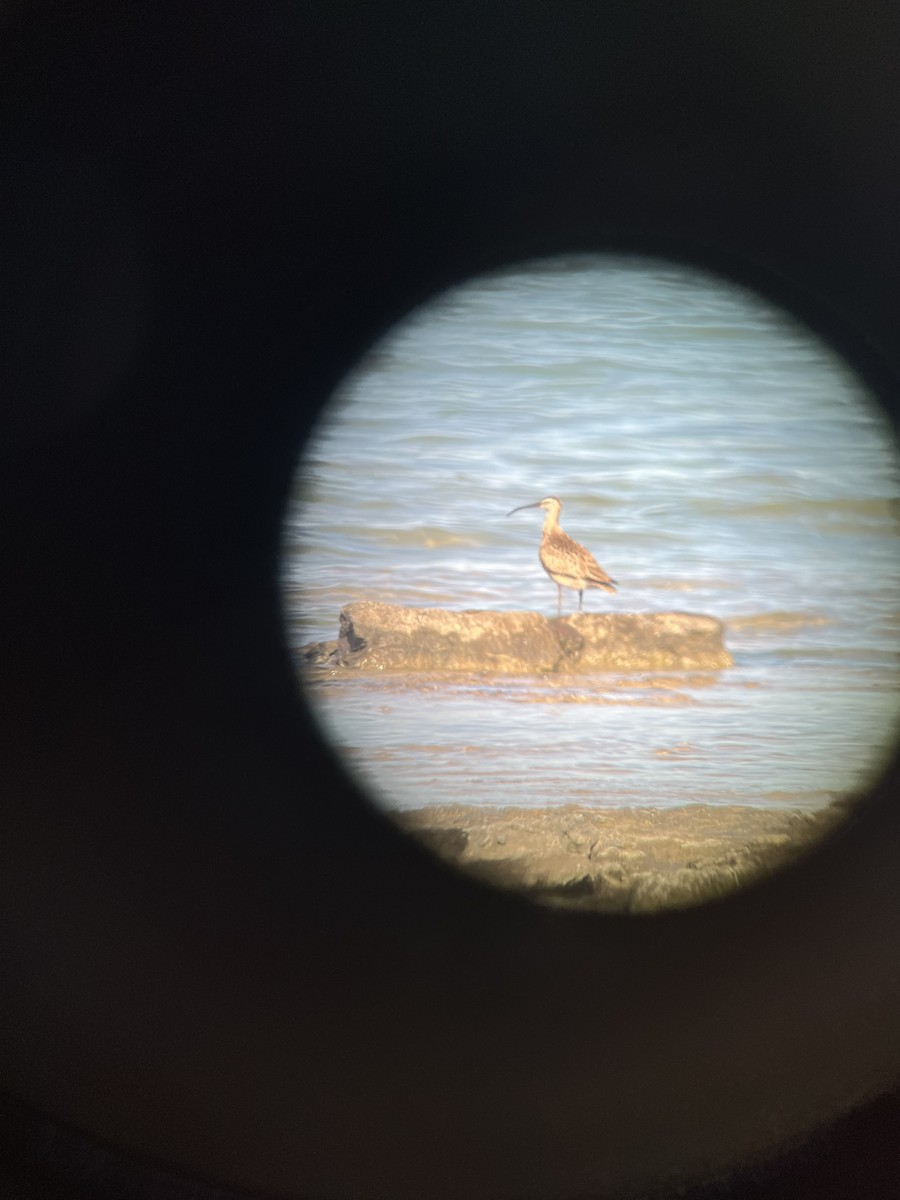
{"points": [[568, 564]]}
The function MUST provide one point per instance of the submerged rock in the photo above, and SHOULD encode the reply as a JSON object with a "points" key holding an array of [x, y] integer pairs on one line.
{"points": [[386, 637]]}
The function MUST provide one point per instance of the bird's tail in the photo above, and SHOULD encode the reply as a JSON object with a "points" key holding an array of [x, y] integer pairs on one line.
{"points": [[608, 585]]}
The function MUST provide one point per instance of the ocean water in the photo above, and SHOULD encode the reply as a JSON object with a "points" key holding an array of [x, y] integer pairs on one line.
{"points": [[712, 454]]}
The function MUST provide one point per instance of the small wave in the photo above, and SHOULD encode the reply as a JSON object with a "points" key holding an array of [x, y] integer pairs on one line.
{"points": [[775, 622], [861, 656], [817, 799], [668, 584], [428, 536], [841, 514], [654, 699], [681, 750]]}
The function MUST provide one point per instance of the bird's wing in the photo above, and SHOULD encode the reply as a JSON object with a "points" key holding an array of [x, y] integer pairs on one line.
{"points": [[605, 582], [595, 574]]}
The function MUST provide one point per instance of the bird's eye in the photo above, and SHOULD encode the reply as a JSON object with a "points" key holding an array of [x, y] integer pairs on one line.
{"points": [[698, 677]]}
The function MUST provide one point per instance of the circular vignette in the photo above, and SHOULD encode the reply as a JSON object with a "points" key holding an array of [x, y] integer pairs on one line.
{"points": [[448, 839]]}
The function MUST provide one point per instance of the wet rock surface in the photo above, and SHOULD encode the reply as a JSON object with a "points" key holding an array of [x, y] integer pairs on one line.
{"points": [[637, 860], [375, 637]]}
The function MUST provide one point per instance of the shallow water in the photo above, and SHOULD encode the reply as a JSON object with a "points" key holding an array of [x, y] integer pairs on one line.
{"points": [[712, 454]]}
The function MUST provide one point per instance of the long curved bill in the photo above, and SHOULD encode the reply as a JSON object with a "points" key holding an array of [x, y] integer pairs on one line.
{"points": [[537, 504]]}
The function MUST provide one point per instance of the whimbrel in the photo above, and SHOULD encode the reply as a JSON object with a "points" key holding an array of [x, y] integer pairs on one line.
{"points": [[568, 564]]}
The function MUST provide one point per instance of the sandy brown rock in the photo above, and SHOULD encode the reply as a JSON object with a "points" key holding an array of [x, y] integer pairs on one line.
{"points": [[636, 860], [377, 637], [650, 641]]}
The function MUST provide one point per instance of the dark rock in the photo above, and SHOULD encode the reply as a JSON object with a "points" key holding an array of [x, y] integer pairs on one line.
{"points": [[320, 654], [385, 637]]}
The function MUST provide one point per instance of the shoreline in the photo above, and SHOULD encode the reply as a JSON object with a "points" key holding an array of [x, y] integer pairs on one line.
{"points": [[620, 860]]}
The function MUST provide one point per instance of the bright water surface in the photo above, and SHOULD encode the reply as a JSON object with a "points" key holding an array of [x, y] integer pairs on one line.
{"points": [[713, 455]]}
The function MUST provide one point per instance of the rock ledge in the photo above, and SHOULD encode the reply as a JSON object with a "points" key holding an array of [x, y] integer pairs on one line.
{"points": [[626, 860], [375, 637]]}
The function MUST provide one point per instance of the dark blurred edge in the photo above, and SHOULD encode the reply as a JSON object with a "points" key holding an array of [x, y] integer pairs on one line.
{"points": [[40, 1159]]}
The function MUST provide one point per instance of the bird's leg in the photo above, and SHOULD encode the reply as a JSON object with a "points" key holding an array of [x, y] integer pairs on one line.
{"points": [[580, 595], [559, 600]]}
